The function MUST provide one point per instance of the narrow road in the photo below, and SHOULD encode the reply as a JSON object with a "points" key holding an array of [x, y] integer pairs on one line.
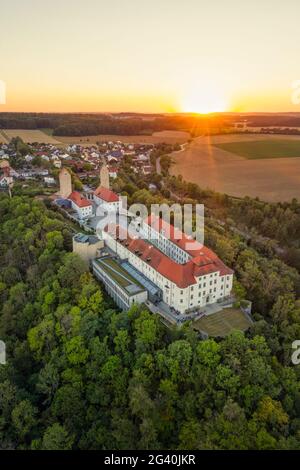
{"points": [[158, 166]]}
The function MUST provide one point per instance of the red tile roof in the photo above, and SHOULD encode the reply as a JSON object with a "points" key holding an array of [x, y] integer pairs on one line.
{"points": [[179, 238], [79, 200], [183, 275], [113, 169], [106, 194]]}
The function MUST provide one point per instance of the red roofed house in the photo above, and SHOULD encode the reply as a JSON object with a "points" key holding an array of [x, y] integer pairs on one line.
{"points": [[189, 276], [107, 198], [113, 172], [81, 205]]}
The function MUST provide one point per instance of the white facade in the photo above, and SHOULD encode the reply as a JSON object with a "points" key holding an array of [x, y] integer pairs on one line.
{"points": [[49, 180], [113, 174], [107, 206], [57, 163], [164, 244], [206, 289], [82, 212]]}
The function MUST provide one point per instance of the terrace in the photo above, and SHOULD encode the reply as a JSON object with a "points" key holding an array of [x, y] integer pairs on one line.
{"points": [[119, 275], [222, 323]]}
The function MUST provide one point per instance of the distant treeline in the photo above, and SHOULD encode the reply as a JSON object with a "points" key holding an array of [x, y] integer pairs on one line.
{"points": [[121, 124], [280, 130], [281, 120], [107, 126], [78, 124]]}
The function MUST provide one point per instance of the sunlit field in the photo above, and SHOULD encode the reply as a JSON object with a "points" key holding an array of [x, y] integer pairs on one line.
{"points": [[263, 148], [169, 137], [3, 138], [254, 169], [30, 136]]}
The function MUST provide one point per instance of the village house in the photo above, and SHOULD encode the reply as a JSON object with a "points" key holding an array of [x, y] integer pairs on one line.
{"points": [[67, 197], [147, 169], [81, 205], [106, 198], [113, 172], [49, 180]]}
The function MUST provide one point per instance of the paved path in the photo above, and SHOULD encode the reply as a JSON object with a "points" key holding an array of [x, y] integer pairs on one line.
{"points": [[158, 166]]}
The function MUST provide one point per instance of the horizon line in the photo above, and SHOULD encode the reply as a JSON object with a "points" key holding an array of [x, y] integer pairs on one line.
{"points": [[153, 113]]}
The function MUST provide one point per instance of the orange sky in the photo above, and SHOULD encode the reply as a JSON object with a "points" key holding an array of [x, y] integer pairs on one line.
{"points": [[158, 56]]}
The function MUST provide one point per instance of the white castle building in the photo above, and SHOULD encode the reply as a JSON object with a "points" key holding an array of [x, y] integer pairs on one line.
{"points": [[161, 265], [185, 279]]}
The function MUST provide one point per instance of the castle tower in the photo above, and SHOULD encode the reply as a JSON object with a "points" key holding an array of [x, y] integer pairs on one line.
{"points": [[65, 183], [104, 176]]}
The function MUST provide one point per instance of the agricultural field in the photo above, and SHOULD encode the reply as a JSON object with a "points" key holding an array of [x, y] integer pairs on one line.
{"points": [[222, 323], [45, 136], [30, 136], [169, 137], [3, 138], [263, 148], [206, 162]]}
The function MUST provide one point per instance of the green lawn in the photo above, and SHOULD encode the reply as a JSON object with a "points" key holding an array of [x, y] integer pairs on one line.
{"points": [[222, 323], [260, 149]]}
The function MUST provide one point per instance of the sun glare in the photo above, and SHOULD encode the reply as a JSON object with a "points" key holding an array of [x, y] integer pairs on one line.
{"points": [[204, 102]]}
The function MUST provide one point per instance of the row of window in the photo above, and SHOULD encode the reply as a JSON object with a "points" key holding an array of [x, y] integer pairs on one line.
{"points": [[203, 294], [202, 285], [160, 280]]}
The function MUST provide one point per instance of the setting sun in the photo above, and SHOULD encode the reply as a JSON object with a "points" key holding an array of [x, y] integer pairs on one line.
{"points": [[204, 101]]}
